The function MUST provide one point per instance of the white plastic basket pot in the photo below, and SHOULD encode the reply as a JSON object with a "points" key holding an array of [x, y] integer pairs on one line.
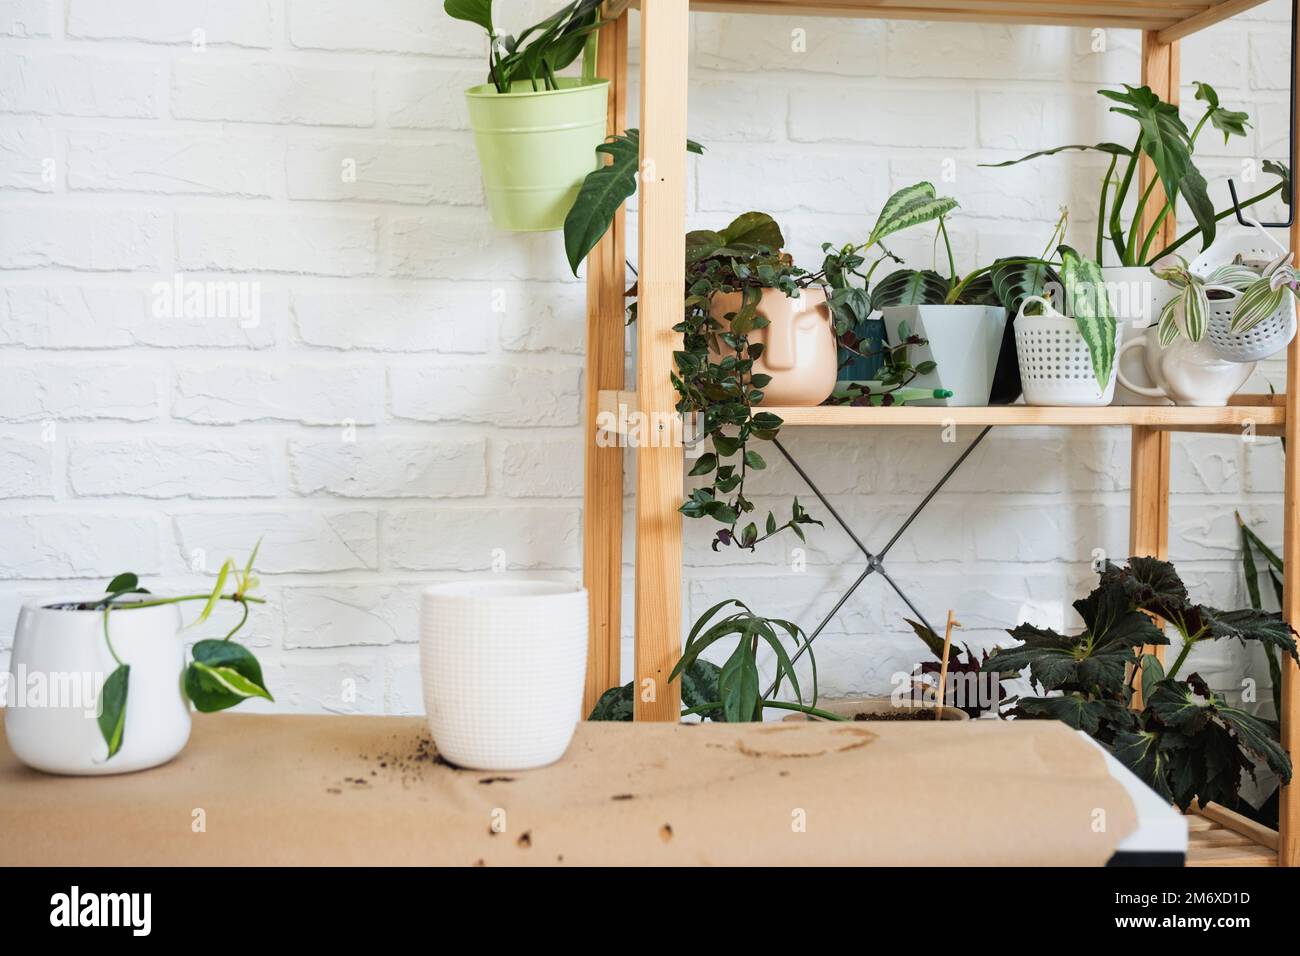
{"points": [[1055, 365], [503, 664], [1271, 335]]}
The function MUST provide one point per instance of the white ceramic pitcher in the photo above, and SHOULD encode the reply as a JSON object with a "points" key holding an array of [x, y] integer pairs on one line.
{"points": [[1189, 373]]}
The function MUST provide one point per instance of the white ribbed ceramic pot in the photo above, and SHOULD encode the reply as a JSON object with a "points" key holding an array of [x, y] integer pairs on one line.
{"points": [[63, 653], [503, 664]]}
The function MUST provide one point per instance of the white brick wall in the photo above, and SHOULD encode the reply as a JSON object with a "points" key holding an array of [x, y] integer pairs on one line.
{"points": [[403, 404]]}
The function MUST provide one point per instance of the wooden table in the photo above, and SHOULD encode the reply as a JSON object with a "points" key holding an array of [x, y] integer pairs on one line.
{"points": [[371, 790]]}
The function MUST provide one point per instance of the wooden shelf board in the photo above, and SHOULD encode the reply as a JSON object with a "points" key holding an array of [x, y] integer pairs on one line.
{"points": [[1265, 413], [1172, 19]]}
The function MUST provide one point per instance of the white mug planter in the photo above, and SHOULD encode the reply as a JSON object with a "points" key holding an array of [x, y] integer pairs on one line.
{"points": [[964, 341], [1189, 373], [1136, 297], [57, 668], [503, 664]]}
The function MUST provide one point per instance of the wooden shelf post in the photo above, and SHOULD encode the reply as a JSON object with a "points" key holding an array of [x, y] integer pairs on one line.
{"points": [[1288, 847], [602, 496], [1149, 475], [665, 27]]}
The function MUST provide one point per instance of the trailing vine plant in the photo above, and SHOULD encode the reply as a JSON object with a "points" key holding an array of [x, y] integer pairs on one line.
{"points": [[222, 673], [715, 374]]}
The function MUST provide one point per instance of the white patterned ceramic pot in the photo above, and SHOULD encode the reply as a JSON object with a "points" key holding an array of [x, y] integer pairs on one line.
{"points": [[57, 669], [503, 664]]}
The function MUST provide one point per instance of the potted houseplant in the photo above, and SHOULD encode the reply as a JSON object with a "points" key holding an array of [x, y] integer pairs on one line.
{"points": [[965, 317], [730, 693], [1125, 246], [732, 278], [1188, 743], [117, 688], [536, 132]]}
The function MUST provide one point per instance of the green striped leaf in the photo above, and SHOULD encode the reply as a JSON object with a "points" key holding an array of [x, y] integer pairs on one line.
{"points": [[1195, 306], [910, 287], [1168, 330], [1256, 304], [222, 674], [1085, 291], [1233, 276]]}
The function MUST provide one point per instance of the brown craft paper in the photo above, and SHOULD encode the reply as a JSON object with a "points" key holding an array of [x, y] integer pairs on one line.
{"points": [[360, 790]]}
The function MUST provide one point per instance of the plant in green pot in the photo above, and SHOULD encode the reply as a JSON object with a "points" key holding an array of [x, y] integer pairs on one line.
{"points": [[536, 132]]}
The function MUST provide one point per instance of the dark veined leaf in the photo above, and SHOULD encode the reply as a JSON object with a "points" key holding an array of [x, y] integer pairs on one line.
{"points": [[1015, 281], [1150, 584], [1148, 755], [910, 287], [1188, 706], [1077, 711], [614, 704], [222, 675], [1248, 624], [112, 707], [700, 687]]}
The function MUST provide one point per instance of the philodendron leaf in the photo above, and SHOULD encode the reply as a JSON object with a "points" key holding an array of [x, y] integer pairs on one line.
{"points": [[1114, 149], [1085, 292], [222, 674], [908, 207], [1282, 171], [1226, 121], [474, 11], [215, 596], [604, 190], [126, 581], [112, 712]]}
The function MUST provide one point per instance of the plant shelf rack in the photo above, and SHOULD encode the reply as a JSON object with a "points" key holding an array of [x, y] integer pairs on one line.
{"points": [[665, 30]]}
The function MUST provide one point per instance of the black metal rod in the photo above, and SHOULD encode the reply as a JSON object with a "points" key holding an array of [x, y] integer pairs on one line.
{"points": [[906, 600], [822, 498], [934, 491]]}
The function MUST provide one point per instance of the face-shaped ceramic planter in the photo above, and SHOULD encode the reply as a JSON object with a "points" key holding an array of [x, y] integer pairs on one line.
{"points": [[799, 349], [1189, 373]]}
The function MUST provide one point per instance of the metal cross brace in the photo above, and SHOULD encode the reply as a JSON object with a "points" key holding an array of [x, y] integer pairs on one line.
{"points": [[875, 562]]}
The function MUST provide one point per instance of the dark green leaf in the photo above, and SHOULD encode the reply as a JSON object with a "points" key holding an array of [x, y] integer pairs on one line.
{"points": [[126, 581], [910, 287], [222, 675], [112, 709], [614, 704]]}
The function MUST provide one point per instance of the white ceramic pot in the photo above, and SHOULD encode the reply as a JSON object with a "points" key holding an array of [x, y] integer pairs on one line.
{"points": [[964, 341], [1136, 298], [1189, 373], [57, 668], [503, 664]]}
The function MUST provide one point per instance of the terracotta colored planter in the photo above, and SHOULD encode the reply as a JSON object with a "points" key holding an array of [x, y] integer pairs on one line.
{"points": [[799, 349]]}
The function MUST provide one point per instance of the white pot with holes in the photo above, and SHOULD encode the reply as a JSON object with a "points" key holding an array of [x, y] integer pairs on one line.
{"points": [[1055, 364]]}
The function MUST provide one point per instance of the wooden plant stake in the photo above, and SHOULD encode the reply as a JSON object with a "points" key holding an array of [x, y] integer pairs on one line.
{"points": [[943, 665]]}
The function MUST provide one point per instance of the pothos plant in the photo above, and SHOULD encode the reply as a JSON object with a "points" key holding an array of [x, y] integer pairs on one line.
{"points": [[1166, 140], [730, 693], [538, 52], [715, 374], [222, 673], [1187, 742]]}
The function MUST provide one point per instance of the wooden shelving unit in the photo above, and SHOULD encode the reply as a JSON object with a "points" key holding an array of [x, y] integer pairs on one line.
{"points": [[665, 31]]}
